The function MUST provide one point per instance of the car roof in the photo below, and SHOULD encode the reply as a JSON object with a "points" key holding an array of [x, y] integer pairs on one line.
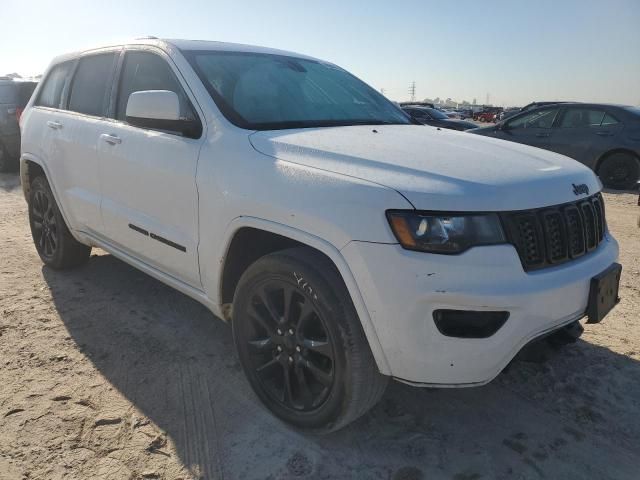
{"points": [[182, 44], [587, 105]]}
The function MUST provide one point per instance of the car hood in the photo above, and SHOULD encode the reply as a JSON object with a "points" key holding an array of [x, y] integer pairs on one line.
{"points": [[435, 169]]}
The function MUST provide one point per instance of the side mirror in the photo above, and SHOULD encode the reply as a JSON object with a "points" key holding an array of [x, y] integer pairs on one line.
{"points": [[160, 110]]}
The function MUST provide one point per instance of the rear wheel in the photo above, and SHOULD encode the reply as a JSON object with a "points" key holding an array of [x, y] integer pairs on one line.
{"points": [[620, 171], [55, 244], [301, 344]]}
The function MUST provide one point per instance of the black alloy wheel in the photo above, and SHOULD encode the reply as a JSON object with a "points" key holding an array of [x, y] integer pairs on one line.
{"points": [[620, 171], [53, 240], [44, 225], [291, 348], [300, 341]]}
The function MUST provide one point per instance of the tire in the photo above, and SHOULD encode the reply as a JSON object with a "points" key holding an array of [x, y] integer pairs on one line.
{"points": [[55, 244], [620, 171], [317, 343]]}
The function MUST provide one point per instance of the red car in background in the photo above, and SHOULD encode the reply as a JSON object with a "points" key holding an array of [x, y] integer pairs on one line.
{"points": [[485, 117], [488, 115]]}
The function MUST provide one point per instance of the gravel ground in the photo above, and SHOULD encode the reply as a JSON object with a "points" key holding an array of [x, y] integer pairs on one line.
{"points": [[106, 373]]}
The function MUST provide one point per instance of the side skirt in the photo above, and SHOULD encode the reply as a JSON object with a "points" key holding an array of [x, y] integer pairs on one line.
{"points": [[195, 293]]}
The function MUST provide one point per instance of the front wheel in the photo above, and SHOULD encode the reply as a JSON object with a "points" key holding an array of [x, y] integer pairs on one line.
{"points": [[55, 244], [620, 171], [301, 343]]}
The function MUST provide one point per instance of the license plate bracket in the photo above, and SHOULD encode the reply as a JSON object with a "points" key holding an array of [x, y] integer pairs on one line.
{"points": [[603, 293]]}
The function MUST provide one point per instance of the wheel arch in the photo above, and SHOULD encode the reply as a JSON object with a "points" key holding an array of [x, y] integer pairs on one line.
{"points": [[30, 167], [250, 238]]}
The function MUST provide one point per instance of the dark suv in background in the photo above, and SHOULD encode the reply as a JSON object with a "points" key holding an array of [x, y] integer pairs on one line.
{"points": [[14, 96], [604, 137]]}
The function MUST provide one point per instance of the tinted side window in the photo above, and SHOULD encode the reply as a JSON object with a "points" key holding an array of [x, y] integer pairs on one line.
{"points": [[581, 118], [535, 119], [51, 92], [147, 71], [92, 85], [609, 120]]}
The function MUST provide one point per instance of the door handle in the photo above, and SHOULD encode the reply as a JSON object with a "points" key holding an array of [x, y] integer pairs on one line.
{"points": [[112, 139], [603, 134], [53, 124], [543, 135]]}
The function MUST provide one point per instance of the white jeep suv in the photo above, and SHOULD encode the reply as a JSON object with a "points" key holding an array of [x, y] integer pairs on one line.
{"points": [[344, 244]]}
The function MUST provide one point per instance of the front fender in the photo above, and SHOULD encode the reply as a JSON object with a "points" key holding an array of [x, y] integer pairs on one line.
{"points": [[331, 252]]}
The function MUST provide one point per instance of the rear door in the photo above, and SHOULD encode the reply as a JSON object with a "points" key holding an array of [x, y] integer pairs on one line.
{"points": [[76, 135], [150, 200], [584, 133], [39, 137], [531, 128]]}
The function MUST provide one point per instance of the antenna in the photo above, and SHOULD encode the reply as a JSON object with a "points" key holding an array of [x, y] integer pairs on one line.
{"points": [[412, 91]]}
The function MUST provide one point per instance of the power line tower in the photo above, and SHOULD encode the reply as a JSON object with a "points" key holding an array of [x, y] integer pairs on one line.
{"points": [[412, 91]]}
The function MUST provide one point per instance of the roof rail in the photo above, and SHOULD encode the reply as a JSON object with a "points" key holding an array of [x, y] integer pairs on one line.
{"points": [[147, 37]]}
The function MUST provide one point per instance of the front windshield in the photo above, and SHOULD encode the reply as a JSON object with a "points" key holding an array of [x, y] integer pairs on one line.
{"points": [[261, 91], [437, 114]]}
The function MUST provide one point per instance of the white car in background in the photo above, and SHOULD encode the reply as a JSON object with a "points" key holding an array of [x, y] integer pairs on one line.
{"points": [[344, 244]]}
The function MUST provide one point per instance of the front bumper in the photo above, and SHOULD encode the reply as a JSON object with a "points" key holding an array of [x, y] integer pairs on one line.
{"points": [[402, 288]]}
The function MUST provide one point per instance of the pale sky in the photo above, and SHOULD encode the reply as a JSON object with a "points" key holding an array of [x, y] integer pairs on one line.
{"points": [[515, 51]]}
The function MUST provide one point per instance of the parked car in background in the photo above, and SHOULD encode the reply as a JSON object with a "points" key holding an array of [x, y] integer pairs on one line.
{"points": [[514, 111], [486, 116], [451, 114], [508, 112], [436, 118], [408, 252], [604, 137], [532, 105], [14, 95], [417, 104], [465, 113]]}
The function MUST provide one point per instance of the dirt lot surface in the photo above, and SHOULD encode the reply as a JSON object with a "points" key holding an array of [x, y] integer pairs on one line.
{"points": [[106, 373]]}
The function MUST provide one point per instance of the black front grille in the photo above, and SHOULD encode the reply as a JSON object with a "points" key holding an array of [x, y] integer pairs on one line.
{"points": [[553, 235]]}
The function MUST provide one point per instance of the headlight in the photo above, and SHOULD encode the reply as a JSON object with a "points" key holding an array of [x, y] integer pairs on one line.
{"points": [[445, 233]]}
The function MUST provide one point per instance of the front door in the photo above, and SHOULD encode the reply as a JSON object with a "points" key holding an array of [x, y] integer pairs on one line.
{"points": [[150, 198], [531, 128]]}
